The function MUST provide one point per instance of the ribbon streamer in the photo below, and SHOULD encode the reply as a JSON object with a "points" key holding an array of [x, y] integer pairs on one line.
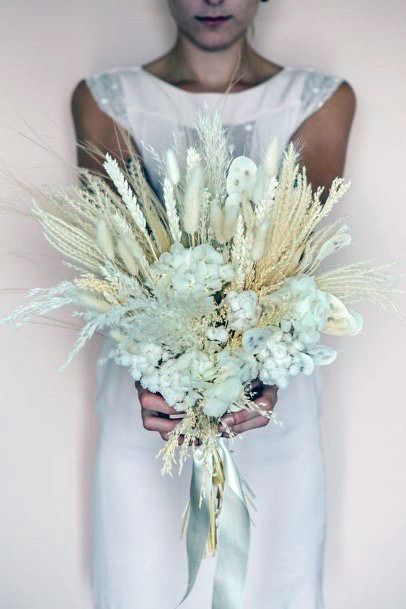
{"points": [[233, 530], [199, 517]]}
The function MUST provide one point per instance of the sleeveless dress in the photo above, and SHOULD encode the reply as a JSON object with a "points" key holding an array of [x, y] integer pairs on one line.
{"points": [[138, 560]]}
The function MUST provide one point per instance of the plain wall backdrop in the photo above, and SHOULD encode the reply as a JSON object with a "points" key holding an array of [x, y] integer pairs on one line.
{"points": [[48, 426]]}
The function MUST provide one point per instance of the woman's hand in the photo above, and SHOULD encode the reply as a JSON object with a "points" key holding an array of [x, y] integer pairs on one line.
{"points": [[243, 420], [155, 412]]}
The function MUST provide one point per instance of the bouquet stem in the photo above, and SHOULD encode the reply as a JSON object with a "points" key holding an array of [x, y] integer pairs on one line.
{"points": [[216, 499], [216, 490]]}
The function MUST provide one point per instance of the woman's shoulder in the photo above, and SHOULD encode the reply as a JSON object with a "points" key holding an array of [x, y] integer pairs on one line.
{"points": [[106, 87], [312, 77], [111, 78], [312, 86]]}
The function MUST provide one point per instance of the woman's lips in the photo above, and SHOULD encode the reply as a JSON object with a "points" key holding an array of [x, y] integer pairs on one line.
{"points": [[213, 21]]}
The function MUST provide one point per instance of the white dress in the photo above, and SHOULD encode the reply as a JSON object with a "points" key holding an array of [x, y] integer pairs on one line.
{"points": [[138, 559]]}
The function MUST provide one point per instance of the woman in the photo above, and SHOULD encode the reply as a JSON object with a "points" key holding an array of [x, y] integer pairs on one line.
{"points": [[138, 560]]}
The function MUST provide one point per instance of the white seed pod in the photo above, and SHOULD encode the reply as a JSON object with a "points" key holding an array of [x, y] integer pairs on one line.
{"points": [[231, 211], [322, 356], [307, 364], [172, 167], [271, 158], [333, 245], [104, 239], [241, 176], [341, 320]]}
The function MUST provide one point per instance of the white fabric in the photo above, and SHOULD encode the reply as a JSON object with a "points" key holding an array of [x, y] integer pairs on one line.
{"points": [[138, 560]]}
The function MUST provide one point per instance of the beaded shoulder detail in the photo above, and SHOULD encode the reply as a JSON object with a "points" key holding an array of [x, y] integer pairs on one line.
{"points": [[317, 88], [108, 91]]}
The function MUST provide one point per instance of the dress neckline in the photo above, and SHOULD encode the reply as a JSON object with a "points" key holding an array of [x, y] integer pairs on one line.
{"points": [[254, 88]]}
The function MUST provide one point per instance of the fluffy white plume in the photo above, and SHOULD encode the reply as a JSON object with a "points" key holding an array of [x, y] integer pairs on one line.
{"points": [[92, 301], [271, 158], [258, 247], [127, 257], [172, 167], [263, 207], [193, 197], [260, 184], [217, 221], [170, 204], [231, 210], [105, 239]]}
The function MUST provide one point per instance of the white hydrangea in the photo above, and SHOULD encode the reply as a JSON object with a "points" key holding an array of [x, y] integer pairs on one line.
{"points": [[211, 371], [243, 309], [217, 334], [189, 272], [171, 383], [309, 306], [236, 363], [218, 378], [282, 354], [147, 358], [234, 369], [221, 394]]}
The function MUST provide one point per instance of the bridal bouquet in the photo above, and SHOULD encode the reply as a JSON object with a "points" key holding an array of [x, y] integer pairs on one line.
{"points": [[218, 284]]}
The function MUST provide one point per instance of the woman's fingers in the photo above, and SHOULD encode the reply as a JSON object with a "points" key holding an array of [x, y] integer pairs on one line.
{"points": [[153, 406], [155, 414], [268, 398], [153, 422], [253, 422], [243, 420], [153, 401], [235, 418]]}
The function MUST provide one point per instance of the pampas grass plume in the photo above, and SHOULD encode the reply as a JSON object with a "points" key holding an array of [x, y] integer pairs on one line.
{"points": [[93, 302], [118, 336]]}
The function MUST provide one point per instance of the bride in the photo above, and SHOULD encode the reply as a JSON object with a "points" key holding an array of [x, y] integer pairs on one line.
{"points": [[137, 558]]}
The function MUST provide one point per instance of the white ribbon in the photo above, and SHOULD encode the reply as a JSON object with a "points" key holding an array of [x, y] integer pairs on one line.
{"points": [[233, 530]]}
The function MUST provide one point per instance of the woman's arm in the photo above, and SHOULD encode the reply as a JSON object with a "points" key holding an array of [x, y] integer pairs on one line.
{"points": [[92, 124], [324, 135], [96, 126]]}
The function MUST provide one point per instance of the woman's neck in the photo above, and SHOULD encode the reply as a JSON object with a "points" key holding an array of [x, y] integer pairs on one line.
{"points": [[196, 69]]}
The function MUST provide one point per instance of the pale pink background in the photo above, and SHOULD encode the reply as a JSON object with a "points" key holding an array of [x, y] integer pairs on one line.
{"points": [[48, 426]]}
